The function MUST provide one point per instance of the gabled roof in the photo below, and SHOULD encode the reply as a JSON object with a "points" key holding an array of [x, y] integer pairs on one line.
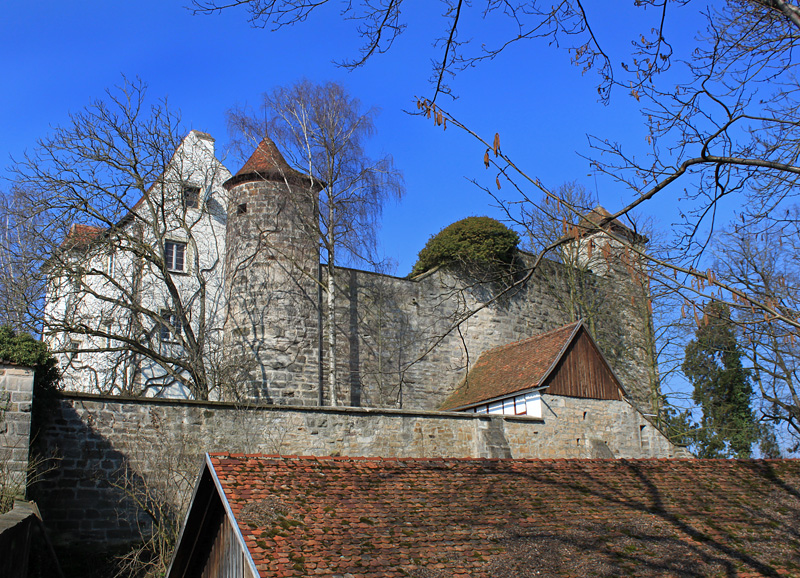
{"points": [[513, 368], [377, 517], [268, 164], [81, 236]]}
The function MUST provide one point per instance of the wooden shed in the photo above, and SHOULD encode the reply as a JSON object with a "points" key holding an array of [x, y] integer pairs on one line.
{"points": [[210, 543], [511, 378]]}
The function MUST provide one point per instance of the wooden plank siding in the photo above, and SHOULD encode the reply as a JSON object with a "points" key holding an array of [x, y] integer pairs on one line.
{"points": [[582, 372], [226, 558]]}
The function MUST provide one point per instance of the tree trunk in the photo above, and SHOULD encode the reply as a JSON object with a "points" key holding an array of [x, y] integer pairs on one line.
{"points": [[331, 309]]}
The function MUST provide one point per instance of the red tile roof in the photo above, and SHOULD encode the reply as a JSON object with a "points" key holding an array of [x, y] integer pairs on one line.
{"points": [[375, 517], [512, 368], [268, 164], [80, 236], [595, 217]]}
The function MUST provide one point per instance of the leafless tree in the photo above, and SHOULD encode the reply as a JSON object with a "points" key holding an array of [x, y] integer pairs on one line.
{"points": [[459, 45], [115, 213], [728, 133], [765, 265], [21, 285], [322, 132]]}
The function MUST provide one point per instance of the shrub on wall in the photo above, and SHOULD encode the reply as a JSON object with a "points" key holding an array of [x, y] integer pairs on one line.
{"points": [[471, 241], [23, 349]]}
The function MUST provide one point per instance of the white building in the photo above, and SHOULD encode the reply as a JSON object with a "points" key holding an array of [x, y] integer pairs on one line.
{"points": [[133, 306]]}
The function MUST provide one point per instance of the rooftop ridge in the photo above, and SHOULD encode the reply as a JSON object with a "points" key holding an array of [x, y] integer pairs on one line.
{"points": [[397, 459], [505, 346]]}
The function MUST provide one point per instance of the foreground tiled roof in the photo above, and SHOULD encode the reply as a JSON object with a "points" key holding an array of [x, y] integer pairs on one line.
{"points": [[511, 368], [267, 163], [514, 518]]}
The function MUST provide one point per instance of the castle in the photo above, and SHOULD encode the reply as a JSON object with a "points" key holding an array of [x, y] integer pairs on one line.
{"points": [[196, 324], [209, 288]]}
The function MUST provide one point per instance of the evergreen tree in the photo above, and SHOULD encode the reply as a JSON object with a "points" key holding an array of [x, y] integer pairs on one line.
{"points": [[722, 388]]}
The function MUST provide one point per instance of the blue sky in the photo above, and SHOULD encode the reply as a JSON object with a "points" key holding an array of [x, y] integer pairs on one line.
{"points": [[58, 56]]}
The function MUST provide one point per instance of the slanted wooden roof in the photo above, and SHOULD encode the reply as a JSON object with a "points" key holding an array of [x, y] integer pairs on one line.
{"points": [[268, 164], [565, 361], [376, 517]]}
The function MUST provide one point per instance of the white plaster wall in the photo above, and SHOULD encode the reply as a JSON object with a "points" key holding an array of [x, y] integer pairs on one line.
{"points": [[98, 367]]}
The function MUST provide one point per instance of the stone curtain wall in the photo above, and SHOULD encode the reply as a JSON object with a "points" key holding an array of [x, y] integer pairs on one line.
{"points": [[16, 395], [388, 325], [103, 450]]}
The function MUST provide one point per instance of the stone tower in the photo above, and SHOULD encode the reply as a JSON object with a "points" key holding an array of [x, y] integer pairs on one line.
{"points": [[613, 253], [271, 259]]}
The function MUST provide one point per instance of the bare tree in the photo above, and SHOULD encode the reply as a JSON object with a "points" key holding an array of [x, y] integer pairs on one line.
{"points": [[21, 285], [765, 265], [727, 132], [126, 221], [322, 132], [458, 46]]}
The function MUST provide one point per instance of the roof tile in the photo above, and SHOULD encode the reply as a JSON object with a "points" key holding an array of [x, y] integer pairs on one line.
{"points": [[430, 518], [268, 164]]}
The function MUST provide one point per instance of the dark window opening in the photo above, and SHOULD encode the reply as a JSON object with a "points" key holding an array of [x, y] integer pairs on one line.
{"points": [[170, 328], [191, 197], [241, 209]]}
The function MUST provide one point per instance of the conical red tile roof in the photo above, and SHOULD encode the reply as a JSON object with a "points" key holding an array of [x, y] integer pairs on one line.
{"points": [[268, 164]]}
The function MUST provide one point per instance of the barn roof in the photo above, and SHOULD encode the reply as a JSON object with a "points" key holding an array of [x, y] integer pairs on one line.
{"points": [[516, 367], [370, 517]]}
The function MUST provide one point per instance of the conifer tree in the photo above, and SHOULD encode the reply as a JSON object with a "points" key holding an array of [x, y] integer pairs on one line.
{"points": [[722, 388]]}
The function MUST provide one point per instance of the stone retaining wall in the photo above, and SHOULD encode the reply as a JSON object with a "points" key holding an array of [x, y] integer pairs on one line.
{"points": [[16, 396], [105, 451]]}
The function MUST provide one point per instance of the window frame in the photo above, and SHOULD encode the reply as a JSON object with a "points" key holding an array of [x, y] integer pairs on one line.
{"points": [[74, 350], [191, 192], [165, 333], [170, 256]]}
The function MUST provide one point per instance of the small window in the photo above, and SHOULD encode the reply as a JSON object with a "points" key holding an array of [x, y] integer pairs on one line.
{"points": [[175, 255], [241, 209], [191, 197], [73, 350], [169, 329]]}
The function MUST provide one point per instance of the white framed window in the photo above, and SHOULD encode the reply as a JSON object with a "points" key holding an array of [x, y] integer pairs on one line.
{"points": [[175, 256], [191, 197], [170, 328], [533, 402]]}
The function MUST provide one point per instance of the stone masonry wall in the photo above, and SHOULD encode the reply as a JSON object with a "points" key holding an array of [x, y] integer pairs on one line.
{"points": [[271, 329], [16, 396], [102, 449], [399, 346]]}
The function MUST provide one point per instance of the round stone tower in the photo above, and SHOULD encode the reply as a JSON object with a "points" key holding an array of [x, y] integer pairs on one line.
{"points": [[271, 260]]}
